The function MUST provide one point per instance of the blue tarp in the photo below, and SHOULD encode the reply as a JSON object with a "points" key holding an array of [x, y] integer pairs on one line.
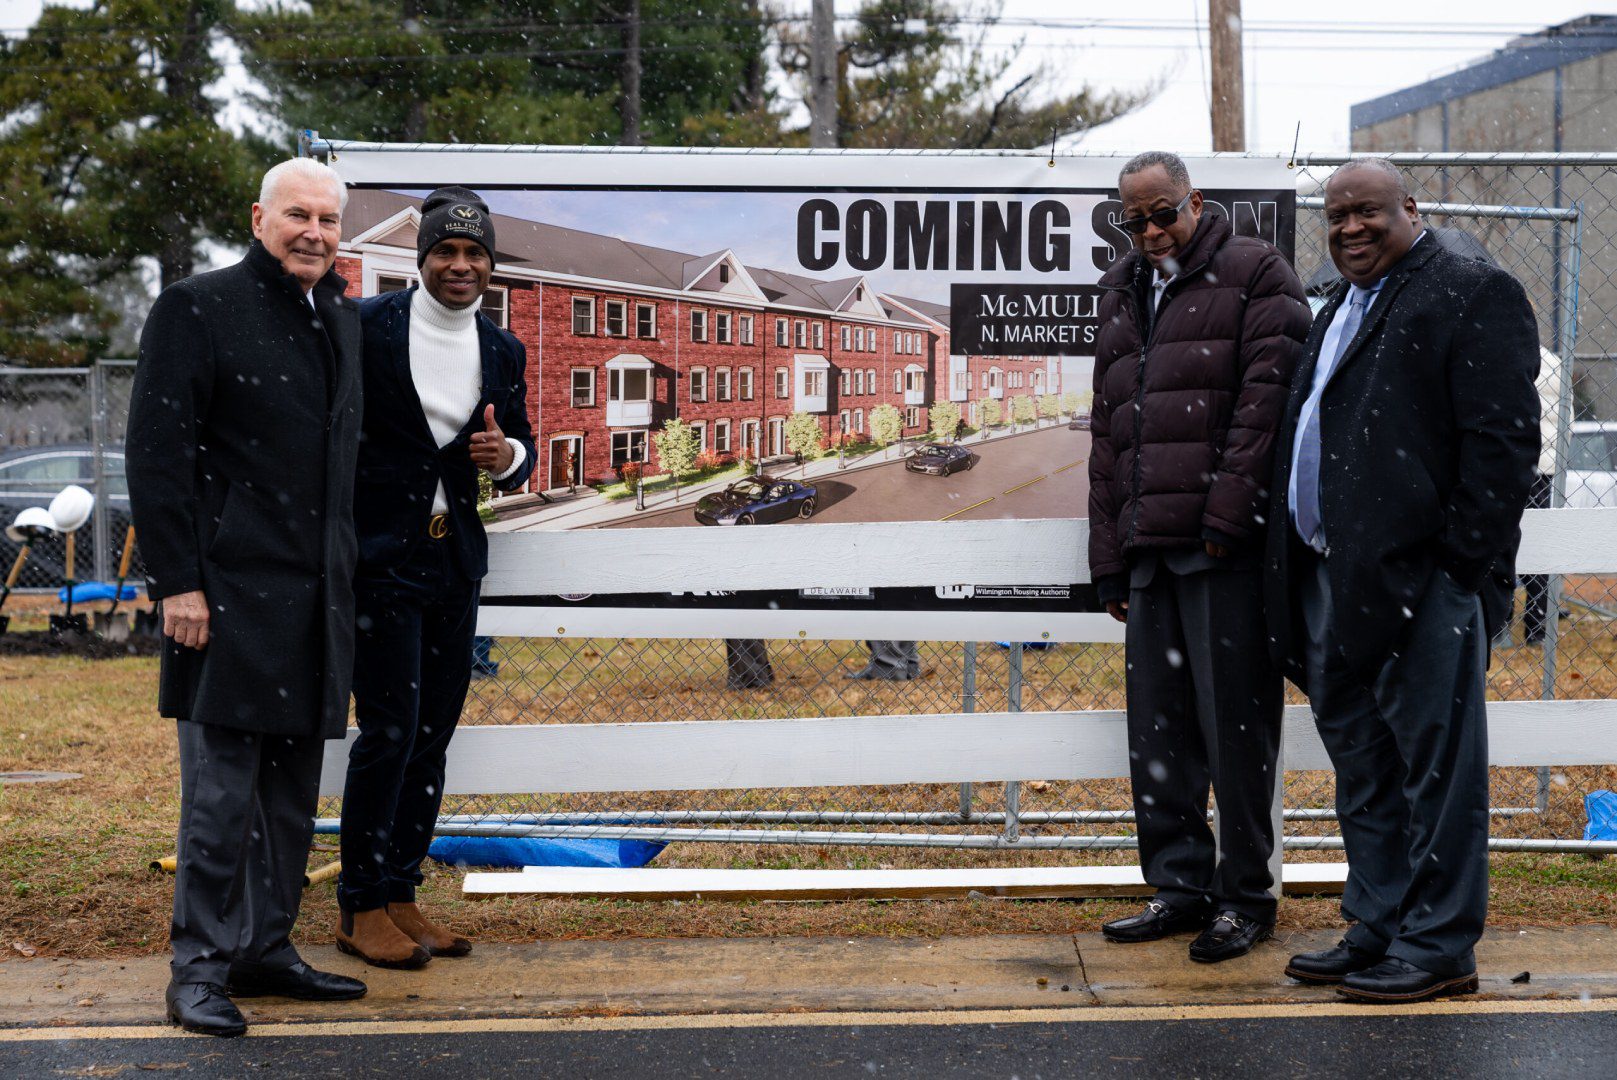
{"points": [[95, 590], [516, 851], [1601, 806]]}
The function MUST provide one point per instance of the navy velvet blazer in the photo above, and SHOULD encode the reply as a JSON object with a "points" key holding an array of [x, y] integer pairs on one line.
{"points": [[400, 463]]}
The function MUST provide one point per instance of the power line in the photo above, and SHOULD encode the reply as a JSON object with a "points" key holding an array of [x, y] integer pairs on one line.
{"points": [[1101, 24]]}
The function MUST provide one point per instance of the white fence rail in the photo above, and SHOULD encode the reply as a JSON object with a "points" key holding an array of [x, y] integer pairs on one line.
{"points": [[880, 750]]}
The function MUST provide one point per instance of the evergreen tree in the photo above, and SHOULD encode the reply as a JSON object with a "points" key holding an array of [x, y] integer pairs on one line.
{"points": [[516, 71], [110, 154]]}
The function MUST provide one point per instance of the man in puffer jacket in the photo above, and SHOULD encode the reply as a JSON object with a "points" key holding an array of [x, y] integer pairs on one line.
{"points": [[1200, 330]]}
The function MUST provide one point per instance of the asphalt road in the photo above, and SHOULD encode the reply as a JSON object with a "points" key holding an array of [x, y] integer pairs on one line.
{"points": [[1042, 474], [1375, 1044]]}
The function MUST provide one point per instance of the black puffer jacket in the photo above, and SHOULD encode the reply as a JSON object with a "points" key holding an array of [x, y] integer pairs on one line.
{"points": [[1187, 402]]}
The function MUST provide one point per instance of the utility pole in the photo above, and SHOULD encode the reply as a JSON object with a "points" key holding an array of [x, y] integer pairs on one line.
{"points": [[1229, 94], [630, 102], [823, 76], [415, 118]]}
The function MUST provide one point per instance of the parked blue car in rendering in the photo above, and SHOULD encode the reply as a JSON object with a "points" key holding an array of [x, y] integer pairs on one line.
{"points": [[756, 500]]}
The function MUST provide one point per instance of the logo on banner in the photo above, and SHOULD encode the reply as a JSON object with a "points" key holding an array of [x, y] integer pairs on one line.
{"points": [[1024, 320]]}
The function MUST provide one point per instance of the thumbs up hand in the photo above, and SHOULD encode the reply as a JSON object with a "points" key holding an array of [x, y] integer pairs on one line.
{"points": [[490, 451]]}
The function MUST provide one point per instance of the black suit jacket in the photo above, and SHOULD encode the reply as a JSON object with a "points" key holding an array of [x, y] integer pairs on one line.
{"points": [[243, 432], [400, 463], [1429, 434]]}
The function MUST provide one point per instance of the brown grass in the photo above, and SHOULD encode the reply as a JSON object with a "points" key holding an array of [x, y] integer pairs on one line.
{"points": [[73, 856]]}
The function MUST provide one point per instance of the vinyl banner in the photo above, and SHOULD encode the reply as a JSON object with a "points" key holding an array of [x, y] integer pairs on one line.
{"points": [[841, 337]]}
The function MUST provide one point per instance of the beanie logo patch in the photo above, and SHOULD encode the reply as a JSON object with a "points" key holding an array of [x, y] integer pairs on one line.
{"points": [[464, 212]]}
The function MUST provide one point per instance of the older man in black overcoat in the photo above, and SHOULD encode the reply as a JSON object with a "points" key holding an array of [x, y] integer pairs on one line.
{"points": [[243, 435], [1407, 451]]}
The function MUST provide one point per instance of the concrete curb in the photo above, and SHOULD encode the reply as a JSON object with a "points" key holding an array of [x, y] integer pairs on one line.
{"points": [[783, 975]]}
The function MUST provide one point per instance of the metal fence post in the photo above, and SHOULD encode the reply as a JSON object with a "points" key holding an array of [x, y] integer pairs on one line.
{"points": [[968, 704], [1013, 788], [1566, 335], [98, 471]]}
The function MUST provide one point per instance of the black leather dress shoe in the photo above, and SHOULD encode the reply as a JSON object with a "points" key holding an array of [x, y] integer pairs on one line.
{"points": [[1398, 982], [1330, 965], [1160, 919], [298, 981], [204, 1009], [1229, 935]]}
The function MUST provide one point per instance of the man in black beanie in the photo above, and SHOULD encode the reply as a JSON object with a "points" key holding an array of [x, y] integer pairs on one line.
{"points": [[444, 398]]}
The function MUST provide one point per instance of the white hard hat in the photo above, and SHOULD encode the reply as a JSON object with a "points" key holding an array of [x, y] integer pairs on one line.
{"points": [[71, 508], [29, 523]]}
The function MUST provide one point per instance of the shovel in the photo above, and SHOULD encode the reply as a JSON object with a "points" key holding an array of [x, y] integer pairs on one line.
{"points": [[69, 511], [33, 524], [11, 579], [108, 625], [70, 623]]}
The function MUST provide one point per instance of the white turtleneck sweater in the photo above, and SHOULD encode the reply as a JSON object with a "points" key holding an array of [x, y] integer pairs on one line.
{"points": [[446, 366]]}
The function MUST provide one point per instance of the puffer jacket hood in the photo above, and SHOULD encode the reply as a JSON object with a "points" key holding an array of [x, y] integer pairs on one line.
{"points": [[1188, 401]]}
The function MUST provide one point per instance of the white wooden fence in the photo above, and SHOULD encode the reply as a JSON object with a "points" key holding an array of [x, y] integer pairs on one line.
{"points": [[903, 749]]}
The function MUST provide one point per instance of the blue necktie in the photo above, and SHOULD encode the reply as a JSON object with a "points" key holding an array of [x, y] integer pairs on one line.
{"points": [[1307, 509]]}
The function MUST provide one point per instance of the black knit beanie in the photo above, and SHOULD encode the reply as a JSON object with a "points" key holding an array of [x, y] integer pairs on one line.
{"points": [[450, 213]]}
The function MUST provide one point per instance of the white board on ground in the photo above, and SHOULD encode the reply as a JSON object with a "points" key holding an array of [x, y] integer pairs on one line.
{"points": [[1033, 882]]}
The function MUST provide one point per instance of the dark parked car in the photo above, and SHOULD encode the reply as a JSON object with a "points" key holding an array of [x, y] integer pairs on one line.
{"points": [[940, 460], [1079, 423], [757, 500], [31, 476]]}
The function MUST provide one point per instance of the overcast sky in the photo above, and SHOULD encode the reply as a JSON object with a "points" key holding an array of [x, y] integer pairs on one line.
{"points": [[1304, 63], [1301, 64]]}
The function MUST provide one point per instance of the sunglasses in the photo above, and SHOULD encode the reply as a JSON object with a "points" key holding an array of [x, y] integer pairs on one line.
{"points": [[1160, 218]]}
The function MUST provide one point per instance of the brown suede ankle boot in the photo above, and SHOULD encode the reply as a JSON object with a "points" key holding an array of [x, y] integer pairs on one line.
{"points": [[371, 936], [429, 935]]}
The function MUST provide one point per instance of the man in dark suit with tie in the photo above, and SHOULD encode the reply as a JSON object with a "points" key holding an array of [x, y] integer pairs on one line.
{"points": [[445, 400], [243, 430], [1407, 451]]}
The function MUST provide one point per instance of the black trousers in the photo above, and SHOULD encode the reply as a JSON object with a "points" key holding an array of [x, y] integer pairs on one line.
{"points": [[412, 666], [746, 664], [1537, 586], [1410, 746], [247, 804], [1204, 707]]}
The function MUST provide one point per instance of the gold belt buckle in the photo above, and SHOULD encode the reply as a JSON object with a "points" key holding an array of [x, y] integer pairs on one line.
{"points": [[438, 527]]}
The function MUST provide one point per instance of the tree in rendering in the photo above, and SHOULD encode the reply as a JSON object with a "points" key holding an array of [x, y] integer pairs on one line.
{"points": [[803, 435], [945, 418], [1070, 402], [886, 425], [1049, 406], [676, 449], [989, 411], [1022, 409]]}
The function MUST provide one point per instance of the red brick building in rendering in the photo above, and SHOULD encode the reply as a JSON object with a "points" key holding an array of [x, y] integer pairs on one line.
{"points": [[622, 337]]}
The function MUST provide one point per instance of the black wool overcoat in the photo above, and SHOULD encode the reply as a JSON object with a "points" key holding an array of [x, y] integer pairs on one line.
{"points": [[243, 436], [1428, 439]]}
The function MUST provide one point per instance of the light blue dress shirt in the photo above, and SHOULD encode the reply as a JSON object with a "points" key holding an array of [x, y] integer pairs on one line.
{"points": [[1331, 348]]}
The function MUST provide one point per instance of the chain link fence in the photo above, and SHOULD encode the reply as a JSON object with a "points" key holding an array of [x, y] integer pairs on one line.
{"points": [[61, 426], [1551, 220]]}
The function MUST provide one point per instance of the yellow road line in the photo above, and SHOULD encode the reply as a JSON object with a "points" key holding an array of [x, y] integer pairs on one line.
{"points": [[939, 1018], [1030, 483], [973, 506], [1064, 468]]}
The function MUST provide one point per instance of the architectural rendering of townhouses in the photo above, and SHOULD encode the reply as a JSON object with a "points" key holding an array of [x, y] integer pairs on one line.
{"points": [[622, 337]]}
